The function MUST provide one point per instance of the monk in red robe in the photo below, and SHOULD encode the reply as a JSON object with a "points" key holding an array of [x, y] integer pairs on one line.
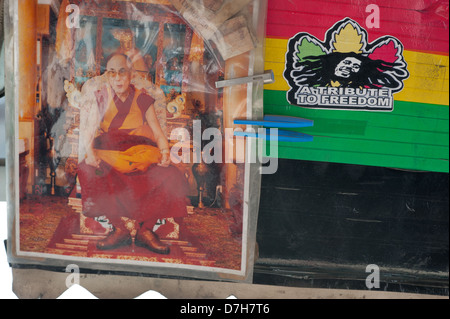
{"points": [[126, 169]]}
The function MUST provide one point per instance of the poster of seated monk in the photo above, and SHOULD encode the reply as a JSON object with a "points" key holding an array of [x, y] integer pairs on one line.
{"points": [[128, 157], [127, 171]]}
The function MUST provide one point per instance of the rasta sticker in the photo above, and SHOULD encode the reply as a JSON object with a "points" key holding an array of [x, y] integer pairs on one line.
{"points": [[345, 72]]}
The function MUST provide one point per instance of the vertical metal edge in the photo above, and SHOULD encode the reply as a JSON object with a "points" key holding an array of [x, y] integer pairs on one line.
{"points": [[11, 121]]}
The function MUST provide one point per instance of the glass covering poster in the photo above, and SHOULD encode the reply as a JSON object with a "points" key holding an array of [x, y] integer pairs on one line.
{"points": [[119, 143]]}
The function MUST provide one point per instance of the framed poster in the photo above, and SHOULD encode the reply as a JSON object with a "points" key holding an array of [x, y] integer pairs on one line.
{"points": [[119, 154]]}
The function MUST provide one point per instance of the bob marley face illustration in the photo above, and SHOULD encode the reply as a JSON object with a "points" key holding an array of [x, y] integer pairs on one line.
{"points": [[347, 67], [344, 60]]}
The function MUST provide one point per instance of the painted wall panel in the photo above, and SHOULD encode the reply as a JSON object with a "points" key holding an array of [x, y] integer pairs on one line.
{"points": [[415, 134]]}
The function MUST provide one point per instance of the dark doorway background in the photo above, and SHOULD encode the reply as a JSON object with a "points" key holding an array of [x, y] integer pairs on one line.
{"points": [[321, 223]]}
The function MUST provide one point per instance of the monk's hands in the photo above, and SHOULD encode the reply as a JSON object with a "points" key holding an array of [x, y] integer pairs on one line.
{"points": [[165, 160], [92, 160]]}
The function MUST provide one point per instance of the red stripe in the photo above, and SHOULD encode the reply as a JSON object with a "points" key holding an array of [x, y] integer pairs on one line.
{"points": [[420, 31], [418, 5], [410, 44], [295, 19]]}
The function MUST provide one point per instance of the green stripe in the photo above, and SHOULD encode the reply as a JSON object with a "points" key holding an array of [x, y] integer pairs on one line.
{"points": [[369, 159], [414, 136], [346, 129], [406, 115]]}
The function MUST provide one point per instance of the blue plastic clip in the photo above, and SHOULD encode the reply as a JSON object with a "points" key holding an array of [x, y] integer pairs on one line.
{"points": [[282, 136], [278, 121]]}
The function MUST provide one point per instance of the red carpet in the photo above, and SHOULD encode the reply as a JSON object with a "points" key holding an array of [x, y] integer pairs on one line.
{"points": [[69, 241], [50, 225]]}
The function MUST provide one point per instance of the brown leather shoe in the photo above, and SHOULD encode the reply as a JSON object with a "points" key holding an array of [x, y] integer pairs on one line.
{"points": [[117, 238], [148, 239]]}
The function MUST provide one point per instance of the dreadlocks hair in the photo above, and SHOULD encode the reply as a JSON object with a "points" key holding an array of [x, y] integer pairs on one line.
{"points": [[373, 74]]}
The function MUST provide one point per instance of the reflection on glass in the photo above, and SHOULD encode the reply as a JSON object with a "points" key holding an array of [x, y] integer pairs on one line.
{"points": [[173, 55], [85, 62]]}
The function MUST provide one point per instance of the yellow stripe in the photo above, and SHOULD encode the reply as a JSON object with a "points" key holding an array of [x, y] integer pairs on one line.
{"points": [[428, 81]]}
